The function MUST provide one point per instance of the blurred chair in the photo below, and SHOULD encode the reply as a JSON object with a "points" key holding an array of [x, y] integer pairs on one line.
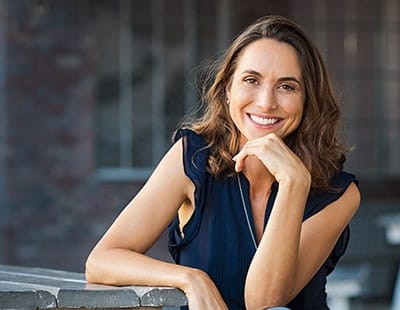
{"points": [[391, 223], [346, 283]]}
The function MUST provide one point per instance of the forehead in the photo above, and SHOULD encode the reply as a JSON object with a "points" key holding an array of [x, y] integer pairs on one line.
{"points": [[270, 56]]}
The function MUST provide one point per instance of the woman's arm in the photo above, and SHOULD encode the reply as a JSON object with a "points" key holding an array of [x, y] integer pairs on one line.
{"points": [[290, 254], [290, 251], [118, 258]]}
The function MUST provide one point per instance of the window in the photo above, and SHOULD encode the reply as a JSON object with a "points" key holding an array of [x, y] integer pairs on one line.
{"points": [[147, 55], [360, 40], [371, 85]]}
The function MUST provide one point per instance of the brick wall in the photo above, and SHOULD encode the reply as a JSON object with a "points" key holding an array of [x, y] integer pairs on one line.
{"points": [[54, 206]]}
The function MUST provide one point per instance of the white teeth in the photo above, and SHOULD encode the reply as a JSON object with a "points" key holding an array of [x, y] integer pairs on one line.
{"points": [[262, 120]]}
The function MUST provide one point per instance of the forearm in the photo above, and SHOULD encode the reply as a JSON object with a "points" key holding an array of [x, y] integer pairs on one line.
{"points": [[126, 267], [271, 277]]}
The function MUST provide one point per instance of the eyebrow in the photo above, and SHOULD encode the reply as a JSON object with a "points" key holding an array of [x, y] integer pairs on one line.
{"points": [[281, 79]]}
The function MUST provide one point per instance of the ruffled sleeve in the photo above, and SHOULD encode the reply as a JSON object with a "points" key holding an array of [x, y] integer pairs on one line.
{"points": [[195, 159]]}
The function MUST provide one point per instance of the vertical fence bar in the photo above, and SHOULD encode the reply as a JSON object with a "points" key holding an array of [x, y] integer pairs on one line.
{"points": [[223, 24], [158, 81], [125, 84], [3, 126], [190, 50]]}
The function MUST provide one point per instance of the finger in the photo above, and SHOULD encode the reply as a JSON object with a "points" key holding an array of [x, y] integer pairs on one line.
{"points": [[238, 167], [239, 159], [239, 163]]}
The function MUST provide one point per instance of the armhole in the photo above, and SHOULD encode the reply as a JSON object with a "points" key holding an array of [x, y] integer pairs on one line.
{"points": [[187, 209], [195, 156], [185, 213]]}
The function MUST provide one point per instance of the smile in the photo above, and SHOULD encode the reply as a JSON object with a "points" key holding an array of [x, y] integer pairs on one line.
{"points": [[264, 121]]}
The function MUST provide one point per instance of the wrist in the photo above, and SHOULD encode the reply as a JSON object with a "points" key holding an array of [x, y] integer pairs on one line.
{"points": [[189, 276], [300, 182]]}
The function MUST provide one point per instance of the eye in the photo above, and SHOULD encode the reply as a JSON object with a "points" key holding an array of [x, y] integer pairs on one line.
{"points": [[251, 80], [287, 87]]}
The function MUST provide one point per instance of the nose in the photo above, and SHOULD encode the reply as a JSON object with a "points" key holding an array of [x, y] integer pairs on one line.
{"points": [[266, 99]]}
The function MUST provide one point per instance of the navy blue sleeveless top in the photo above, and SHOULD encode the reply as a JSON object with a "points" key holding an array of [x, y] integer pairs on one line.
{"points": [[217, 237]]}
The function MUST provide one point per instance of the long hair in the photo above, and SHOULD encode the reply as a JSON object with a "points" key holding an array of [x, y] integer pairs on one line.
{"points": [[315, 141]]}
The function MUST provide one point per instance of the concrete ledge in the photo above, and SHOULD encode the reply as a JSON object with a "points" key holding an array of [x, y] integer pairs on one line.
{"points": [[156, 297], [20, 299], [40, 288]]}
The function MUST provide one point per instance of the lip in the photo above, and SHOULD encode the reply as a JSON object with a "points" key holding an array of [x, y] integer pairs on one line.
{"points": [[263, 121]]}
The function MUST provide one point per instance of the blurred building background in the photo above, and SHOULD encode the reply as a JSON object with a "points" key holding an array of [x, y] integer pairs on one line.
{"points": [[91, 91]]}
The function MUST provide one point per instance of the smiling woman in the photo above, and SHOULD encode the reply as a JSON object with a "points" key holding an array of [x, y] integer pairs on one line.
{"points": [[253, 191]]}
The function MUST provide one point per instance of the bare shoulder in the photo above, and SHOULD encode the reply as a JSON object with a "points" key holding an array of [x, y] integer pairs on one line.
{"points": [[336, 215], [349, 201], [169, 173]]}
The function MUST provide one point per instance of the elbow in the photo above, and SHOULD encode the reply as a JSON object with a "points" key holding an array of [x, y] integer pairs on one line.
{"points": [[264, 299], [99, 269], [95, 271], [90, 270]]}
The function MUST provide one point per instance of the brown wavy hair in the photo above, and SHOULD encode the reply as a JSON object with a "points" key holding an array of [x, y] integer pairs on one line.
{"points": [[315, 141]]}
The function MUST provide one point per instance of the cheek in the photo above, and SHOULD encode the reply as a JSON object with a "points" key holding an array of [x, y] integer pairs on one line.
{"points": [[296, 110], [300, 111], [236, 111], [295, 107], [237, 100], [242, 96], [299, 116]]}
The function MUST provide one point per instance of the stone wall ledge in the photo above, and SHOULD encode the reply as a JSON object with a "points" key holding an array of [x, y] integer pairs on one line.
{"points": [[40, 288]]}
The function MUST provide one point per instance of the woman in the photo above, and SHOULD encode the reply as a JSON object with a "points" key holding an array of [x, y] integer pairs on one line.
{"points": [[254, 188]]}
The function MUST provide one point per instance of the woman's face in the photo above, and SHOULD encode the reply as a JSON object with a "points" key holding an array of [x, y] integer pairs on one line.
{"points": [[266, 94]]}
